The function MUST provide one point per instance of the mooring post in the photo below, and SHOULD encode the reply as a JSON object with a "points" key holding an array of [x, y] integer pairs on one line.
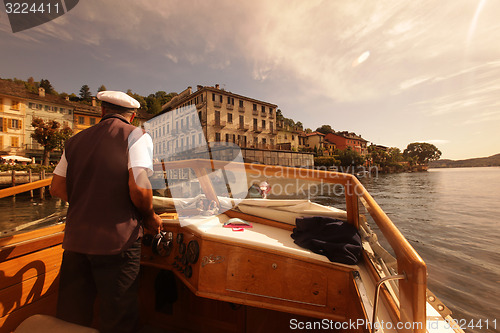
{"points": [[30, 179], [42, 189]]}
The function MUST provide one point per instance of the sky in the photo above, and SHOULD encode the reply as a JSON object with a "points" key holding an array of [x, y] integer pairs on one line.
{"points": [[394, 72]]}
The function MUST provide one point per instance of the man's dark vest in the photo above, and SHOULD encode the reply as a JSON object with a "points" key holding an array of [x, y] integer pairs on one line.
{"points": [[101, 217]]}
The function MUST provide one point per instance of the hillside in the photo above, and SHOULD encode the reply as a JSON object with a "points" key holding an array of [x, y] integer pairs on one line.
{"points": [[471, 162]]}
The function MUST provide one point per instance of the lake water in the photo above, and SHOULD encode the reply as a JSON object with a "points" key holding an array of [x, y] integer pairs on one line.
{"points": [[450, 216]]}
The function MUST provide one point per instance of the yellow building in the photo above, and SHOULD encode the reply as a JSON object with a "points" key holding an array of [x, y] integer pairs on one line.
{"points": [[12, 115], [85, 116], [229, 117]]}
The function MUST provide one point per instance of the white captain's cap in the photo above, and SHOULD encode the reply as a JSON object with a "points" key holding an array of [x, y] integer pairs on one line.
{"points": [[118, 98]]}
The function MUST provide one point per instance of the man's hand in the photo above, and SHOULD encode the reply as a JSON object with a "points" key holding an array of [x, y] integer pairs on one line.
{"points": [[152, 223], [142, 197]]}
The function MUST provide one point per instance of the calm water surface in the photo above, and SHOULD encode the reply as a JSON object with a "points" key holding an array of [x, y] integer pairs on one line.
{"points": [[450, 216]]}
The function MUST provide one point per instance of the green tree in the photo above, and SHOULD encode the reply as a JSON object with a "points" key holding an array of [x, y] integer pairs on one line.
{"points": [[325, 129], [153, 104], [45, 84], [85, 93], [101, 88], [350, 157], [421, 153], [50, 136]]}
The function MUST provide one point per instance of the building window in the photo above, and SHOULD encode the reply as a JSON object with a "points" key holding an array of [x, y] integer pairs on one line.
{"points": [[15, 124], [2, 129], [263, 124], [92, 121], [81, 120], [230, 118], [271, 111], [14, 141], [255, 107], [227, 137], [241, 103], [217, 137], [15, 106], [263, 108], [213, 97]]}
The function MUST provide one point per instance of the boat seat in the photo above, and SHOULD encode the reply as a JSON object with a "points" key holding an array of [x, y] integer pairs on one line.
{"points": [[46, 324]]}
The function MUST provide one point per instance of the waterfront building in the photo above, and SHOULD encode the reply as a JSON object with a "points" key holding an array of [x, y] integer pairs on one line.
{"points": [[12, 115], [314, 140], [46, 107], [85, 116], [229, 117], [224, 117], [287, 137], [348, 140]]}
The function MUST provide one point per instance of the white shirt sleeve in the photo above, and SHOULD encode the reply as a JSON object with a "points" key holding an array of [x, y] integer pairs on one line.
{"points": [[141, 154], [62, 166]]}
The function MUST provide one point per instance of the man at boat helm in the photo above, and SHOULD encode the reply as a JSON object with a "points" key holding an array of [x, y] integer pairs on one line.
{"points": [[103, 174]]}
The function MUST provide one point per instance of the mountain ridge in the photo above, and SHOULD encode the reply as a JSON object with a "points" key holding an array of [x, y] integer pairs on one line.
{"points": [[493, 160]]}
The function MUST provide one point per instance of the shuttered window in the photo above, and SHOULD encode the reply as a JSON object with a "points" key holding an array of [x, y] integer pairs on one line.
{"points": [[14, 141]]}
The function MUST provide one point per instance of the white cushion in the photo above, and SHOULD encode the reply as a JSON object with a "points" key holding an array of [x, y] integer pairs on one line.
{"points": [[42, 323]]}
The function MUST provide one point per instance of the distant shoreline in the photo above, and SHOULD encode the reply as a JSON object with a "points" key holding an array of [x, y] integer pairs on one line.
{"points": [[490, 161]]}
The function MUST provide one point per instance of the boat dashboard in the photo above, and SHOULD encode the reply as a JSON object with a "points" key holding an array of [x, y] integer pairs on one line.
{"points": [[258, 265]]}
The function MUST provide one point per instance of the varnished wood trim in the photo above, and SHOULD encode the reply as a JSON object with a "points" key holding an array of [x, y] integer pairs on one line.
{"points": [[28, 291], [29, 235], [277, 307], [332, 265], [11, 251], [21, 268]]}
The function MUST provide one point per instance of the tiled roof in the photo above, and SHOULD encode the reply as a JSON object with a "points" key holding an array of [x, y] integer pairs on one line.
{"points": [[315, 133], [18, 90]]}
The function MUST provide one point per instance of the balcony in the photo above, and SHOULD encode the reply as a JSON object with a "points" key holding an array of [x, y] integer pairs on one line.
{"points": [[229, 106], [241, 109], [255, 112], [243, 127], [257, 129], [217, 104], [218, 123]]}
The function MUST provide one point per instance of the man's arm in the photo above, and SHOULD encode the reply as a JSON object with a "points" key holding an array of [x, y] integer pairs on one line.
{"points": [[58, 187], [142, 198]]}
